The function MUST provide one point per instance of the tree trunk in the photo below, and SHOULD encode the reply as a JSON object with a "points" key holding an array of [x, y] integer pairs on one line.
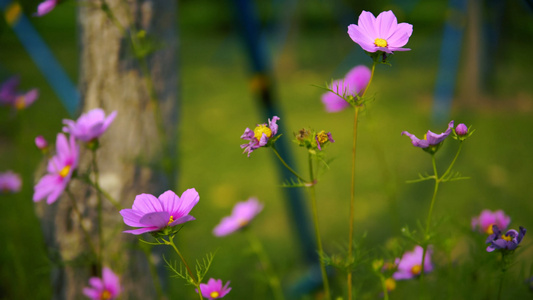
{"points": [[111, 78]]}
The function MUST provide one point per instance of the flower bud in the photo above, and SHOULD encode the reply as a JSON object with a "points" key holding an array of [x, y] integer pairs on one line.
{"points": [[41, 142], [461, 129]]}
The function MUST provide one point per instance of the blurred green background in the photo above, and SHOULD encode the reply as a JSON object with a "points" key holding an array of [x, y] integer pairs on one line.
{"points": [[217, 105]]}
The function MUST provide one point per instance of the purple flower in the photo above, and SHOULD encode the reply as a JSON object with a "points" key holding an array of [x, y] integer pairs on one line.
{"points": [[322, 138], [260, 136], [153, 214], [509, 241], [242, 214], [41, 142], [45, 7], [354, 83], [487, 218], [107, 287], [410, 265], [430, 138], [214, 289], [380, 34], [60, 169], [90, 125], [10, 182], [9, 95]]}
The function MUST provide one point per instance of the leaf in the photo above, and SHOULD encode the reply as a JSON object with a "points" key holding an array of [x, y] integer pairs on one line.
{"points": [[203, 266]]}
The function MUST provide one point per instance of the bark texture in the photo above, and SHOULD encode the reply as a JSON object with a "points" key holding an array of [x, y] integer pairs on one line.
{"points": [[111, 78]]}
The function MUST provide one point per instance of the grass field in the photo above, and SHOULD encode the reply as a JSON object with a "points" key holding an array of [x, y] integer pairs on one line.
{"points": [[217, 105]]}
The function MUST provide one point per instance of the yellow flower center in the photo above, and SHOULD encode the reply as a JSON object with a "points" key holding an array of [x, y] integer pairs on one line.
{"points": [[242, 222], [19, 103], [507, 237], [380, 42], [106, 295], [322, 137], [214, 295], [64, 172], [390, 284], [416, 269], [259, 130], [489, 229], [170, 220]]}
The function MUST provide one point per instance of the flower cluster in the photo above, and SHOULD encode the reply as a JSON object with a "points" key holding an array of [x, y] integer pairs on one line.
{"points": [[10, 182], [10, 96], [506, 242], [484, 222], [353, 85], [153, 214], [242, 214], [260, 136], [107, 287]]}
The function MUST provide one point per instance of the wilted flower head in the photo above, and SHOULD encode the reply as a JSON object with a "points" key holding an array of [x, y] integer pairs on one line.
{"points": [[10, 96], [410, 265], [10, 182], [322, 138], [509, 241], [242, 214], [353, 84], [483, 223], [431, 140], [45, 7], [90, 125], [260, 136], [214, 289], [154, 214], [60, 169], [380, 34], [105, 288]]}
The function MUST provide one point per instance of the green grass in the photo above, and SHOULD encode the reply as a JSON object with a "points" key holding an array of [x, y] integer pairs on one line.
{"points": [[217, 105]]}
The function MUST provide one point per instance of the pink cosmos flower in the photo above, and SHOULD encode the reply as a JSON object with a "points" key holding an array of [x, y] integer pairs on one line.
{"points": [[430, 138], [214, 289], [90, 125], [354, 83], [10, 96], [153, 214], [10, 182], [260, 136], [410, 265], [107, 287], [60, 169], [45, 7], [483, 223], [380, 34], [242, 214]]}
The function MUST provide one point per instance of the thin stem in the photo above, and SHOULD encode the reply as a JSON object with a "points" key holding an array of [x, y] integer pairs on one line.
{"points": [[85, 232], [273, 279], [99, 213], [428, 221], [317, 231], [453, 161], [287, 166], [352, 193], [105, 194], [384, 287], [194, 281]]}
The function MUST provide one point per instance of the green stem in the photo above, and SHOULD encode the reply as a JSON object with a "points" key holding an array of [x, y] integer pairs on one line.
{"points": [[97, 187], [504, 268], [384, 287], [352, 193], [317, 231], [195, 282], [287, 166], [453, 161], [273, 280], [99, 213], [428, 221]]}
